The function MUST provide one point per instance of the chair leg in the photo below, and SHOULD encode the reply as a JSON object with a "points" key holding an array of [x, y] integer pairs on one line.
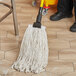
{"points": [[14, 17], [3, 17]]}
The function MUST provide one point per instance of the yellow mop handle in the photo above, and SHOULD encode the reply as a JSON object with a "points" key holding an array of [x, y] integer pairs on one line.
{"points": [[39, 16], [42, 3]]}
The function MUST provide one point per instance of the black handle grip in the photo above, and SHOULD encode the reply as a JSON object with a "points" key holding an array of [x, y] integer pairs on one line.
{"points": [[39, 18]]}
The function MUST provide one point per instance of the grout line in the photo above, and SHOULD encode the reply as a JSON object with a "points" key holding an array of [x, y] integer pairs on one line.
{"points": [[70, 44], [4, 54], [64, 74], [0, 43], [57, 35], [6, 34], [73, 67], [58, 55], [66, 25]]}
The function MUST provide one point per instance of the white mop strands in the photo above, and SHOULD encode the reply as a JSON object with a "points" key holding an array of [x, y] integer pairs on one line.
{"points": [[33, 56]]}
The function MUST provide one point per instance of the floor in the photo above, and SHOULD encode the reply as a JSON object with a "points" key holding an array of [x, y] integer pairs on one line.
{"points": [[62, 42]]}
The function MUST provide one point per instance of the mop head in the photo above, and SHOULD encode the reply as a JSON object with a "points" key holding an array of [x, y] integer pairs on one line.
{"points": [[33, 56]]}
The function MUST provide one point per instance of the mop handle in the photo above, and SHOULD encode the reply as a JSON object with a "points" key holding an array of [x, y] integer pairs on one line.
{"points": [[39, 17], [37, 24]]}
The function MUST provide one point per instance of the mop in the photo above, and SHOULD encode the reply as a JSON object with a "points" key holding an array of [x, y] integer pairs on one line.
{"points": [[33, 56]]}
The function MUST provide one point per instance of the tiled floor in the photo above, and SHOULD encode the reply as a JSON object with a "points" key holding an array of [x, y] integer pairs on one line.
{"points": [[62, 42]]}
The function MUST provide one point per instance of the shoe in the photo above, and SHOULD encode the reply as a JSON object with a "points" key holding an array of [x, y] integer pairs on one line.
{"points": [[60, 15], [73, 27]]}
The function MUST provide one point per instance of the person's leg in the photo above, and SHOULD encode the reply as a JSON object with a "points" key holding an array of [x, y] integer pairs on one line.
{"points": [[64, 10], [73, 27], [65, 6]]}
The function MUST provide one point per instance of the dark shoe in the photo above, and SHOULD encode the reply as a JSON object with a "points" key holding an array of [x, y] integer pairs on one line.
{"points": [[60, 15], [73, 27]]}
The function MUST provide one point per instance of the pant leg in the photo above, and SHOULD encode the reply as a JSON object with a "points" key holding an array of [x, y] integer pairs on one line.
{"points": [[75, 8], [65, 6]]}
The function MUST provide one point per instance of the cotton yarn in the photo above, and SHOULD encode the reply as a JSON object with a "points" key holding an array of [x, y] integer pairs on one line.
{"points": [[33, 56]]}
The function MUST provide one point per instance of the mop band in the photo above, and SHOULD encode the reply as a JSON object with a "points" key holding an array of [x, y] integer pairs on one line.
{"points": [[42, 27]]}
